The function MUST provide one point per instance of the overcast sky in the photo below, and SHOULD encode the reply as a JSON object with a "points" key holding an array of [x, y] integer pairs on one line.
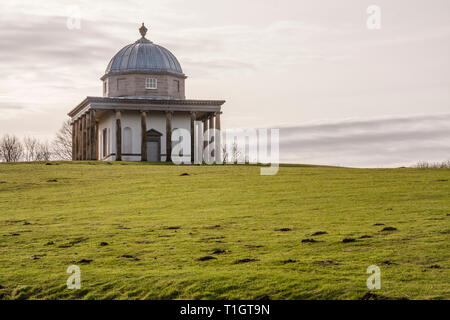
{"points": [[342, 94]]}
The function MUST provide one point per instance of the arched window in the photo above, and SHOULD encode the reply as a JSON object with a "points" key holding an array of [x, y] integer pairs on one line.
{"points": [[127, 140]]}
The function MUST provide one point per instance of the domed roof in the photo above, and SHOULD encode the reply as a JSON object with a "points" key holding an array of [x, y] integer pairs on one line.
{"points": [[144, 56]]}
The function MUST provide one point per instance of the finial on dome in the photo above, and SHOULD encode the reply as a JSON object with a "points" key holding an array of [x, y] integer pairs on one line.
{"points": [[143, 30]]}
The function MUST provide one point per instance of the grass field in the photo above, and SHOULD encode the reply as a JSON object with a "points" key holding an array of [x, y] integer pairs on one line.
{"points": [[137, 231]]}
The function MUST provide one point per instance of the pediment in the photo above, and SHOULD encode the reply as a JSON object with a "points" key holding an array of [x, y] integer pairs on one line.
{"points": [[153, 133]]}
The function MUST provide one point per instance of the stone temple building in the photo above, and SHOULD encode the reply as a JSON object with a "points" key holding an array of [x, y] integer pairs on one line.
{"points": [[143, 102]]}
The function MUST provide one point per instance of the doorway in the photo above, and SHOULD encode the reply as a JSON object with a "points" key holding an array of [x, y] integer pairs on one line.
{"points": [[153, 141]]}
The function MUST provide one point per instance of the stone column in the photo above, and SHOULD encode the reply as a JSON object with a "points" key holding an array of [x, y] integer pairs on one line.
{"points": [[193, 117], [97, 156], [74, 140], [88, 136], [83, 137], [78, 137], [205, 128], [169, 136], [218, 139], [94, 137], [211, 127], [211, 137], [118, 136], [143, 136]]}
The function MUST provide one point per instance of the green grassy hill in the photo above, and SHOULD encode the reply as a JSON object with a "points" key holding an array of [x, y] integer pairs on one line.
{"points": [[141, 231]]}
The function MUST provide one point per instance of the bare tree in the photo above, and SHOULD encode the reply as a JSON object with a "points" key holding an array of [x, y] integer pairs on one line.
{"points": [[30, 148], [235, 152], [62, 145], [224, 154], [43, 151], [427, 165], [11, 149], [230, 153], [35, 150]]}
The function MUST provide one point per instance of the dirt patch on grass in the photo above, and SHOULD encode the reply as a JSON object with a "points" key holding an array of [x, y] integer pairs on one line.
{"points": [[52, 180], [184, 174], [388, 263], [247, 260], [143, 242], [253, 246], [84, 261], [78, 240], [71, 243], [379, 224], [374, 296], [218, 251], [102, 244], [348, 240], [365, 237], [14, 234], [435, 266], [50, 243], [38, 256], [130, 257], [172, 228], [288, 261], [389, 229], [325, 263], [283, 229], [213, 238], [213, 227], [319, 233], [309, 241], [206, 258]]}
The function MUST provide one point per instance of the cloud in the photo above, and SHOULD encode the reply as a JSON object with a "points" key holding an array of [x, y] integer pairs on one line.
{"points": [[10, 106], [277, 45], [368, 124], [369, 142], [32, 43]]}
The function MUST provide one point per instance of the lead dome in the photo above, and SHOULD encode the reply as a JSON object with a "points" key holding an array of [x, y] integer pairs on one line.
{"points": [[144, 56]]}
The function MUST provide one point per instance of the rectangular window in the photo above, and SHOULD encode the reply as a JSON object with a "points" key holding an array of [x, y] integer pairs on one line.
{"points": [[177, 85], [151, 83]]}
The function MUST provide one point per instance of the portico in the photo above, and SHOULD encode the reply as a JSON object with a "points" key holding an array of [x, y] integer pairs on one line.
{"points": [[139, 118]]}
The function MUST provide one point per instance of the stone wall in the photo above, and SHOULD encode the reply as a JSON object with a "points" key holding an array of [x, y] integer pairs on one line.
{"points": [[124, 85], [132, 120]]}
